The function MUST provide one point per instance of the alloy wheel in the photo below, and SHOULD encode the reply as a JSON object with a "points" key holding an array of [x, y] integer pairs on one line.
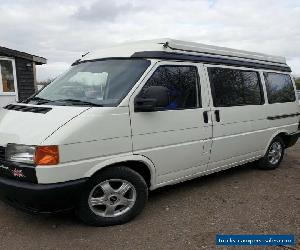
{"points": [[275, 152], [112, 198]]}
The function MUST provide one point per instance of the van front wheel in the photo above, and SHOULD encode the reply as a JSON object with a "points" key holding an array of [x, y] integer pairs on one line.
{"points": [[114, 196], [273, 156]]}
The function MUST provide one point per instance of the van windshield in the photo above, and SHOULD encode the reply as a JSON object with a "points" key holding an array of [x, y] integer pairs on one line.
{"points": [[93, 83]]}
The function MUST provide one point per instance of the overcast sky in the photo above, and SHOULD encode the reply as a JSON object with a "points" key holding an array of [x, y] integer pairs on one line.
{"points": [[62, 30]]}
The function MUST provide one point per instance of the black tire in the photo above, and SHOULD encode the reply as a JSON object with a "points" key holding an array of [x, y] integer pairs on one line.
{"points": [[88, 216], [265, 163]]}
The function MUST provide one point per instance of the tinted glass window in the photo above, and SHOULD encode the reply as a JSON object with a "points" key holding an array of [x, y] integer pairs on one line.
{"points": [[279, 88], [182, 83], [232, 87]]}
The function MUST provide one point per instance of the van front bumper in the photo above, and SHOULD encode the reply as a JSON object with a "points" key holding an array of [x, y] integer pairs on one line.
{"points": [[41, 198]]}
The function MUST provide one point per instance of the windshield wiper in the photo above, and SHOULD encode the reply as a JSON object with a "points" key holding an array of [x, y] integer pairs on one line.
{"points": [[39, 100], [79, 102]]}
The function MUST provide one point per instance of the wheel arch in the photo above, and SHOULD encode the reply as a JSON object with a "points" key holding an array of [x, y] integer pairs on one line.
{"points": [[283, 134], [138, 163]]}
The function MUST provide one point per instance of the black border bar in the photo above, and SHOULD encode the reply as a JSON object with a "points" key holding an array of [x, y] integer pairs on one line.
{"points": [[282, 116], [209, 59]]}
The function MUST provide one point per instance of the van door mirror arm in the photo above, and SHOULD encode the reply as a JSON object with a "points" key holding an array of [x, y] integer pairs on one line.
{"points": [[144, 104], [154, 98]]}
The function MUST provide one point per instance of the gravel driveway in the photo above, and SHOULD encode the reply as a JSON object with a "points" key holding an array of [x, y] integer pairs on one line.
{"points": [[184, 216]]}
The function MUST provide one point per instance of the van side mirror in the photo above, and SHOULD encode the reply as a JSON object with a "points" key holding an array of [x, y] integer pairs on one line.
{"points": [[154, 98]]}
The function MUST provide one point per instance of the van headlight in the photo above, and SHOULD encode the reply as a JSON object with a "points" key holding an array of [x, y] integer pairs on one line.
{"points": [[20, 153], [38, 155]]}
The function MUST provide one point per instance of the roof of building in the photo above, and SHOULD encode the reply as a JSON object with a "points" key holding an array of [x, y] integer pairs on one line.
{"points": [[15, 53], [181, 50]]}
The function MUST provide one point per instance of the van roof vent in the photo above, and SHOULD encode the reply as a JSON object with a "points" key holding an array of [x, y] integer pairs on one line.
{"points": [[23, 108]]}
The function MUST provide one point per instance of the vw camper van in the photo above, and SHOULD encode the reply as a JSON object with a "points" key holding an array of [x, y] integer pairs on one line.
{"points": [[133, 118]]}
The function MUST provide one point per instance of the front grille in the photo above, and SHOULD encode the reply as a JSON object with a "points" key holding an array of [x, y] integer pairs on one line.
{"points": [[2, 153]]}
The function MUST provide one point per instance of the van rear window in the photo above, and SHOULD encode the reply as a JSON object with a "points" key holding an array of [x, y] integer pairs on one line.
{"points": [[234, 87], [279, 88]]}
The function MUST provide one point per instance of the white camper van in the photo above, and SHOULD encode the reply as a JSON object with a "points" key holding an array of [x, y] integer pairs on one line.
{"points": [[140, 116]]}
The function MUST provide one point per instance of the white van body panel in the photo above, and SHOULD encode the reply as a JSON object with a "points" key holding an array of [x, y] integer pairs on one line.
{"points": [[33, 128], [99, 129], [87, 168], [104, 131]]}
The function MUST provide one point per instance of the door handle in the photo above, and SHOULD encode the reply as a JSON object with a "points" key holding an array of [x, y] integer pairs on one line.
{"points": [[205, 117], [217, 114]]}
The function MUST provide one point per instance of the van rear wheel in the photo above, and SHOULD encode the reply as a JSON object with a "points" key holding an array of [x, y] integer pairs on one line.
{"points": [[114, 196], [273, 156]]}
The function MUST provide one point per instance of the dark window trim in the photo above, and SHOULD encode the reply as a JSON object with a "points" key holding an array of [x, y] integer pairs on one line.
{"points": [[198, 84], [265, 79], [209, 59], [213, 93], [107, 58]]}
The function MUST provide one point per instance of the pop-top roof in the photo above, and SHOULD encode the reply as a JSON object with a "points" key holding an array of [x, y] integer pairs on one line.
{"points": [[171, 49], [171, 45], [216, 50]]}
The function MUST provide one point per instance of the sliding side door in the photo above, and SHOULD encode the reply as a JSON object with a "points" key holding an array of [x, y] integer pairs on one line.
{"points": [[239, 114]]}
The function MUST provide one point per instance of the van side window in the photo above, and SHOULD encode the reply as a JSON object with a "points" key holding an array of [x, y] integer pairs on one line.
{"points": [[279, 88], [182, 83], [233, 87]]}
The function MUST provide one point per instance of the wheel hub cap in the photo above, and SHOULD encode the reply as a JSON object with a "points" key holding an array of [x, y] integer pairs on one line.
{"points": [[112, 198]]}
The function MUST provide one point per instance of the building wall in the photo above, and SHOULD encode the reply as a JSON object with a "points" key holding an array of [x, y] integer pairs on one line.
{"points": [[25, 78], [6, 99]]}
